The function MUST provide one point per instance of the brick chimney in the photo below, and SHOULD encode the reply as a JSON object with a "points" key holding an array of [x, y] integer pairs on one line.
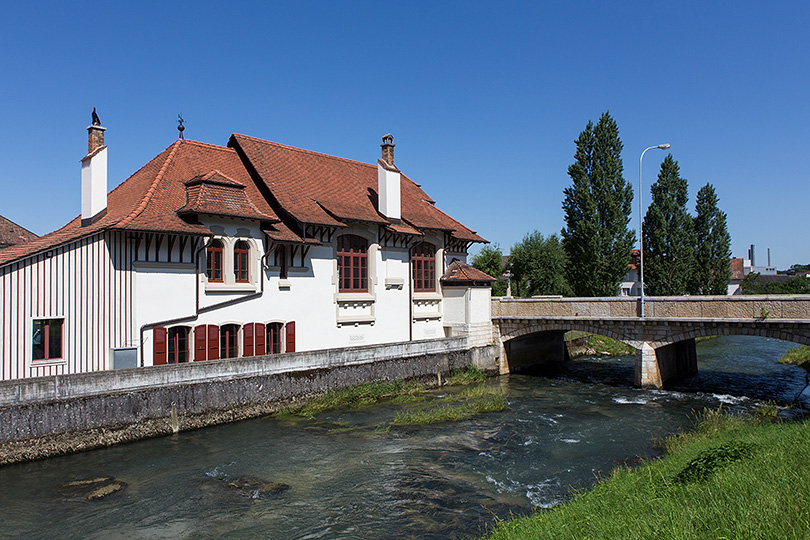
{"points": [[388, 149], [94, 174], [389, 201]]}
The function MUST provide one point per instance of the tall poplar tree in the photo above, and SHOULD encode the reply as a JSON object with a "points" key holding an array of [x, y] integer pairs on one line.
{"points": [[712, 270], [669, 238], [597, 210]]}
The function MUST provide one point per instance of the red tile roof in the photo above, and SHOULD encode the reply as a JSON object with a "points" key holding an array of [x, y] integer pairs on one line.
{"points": [[150, 198], [325, 190], [12, 234], [737, 270], [461, 273], [191, 177], [214, 193]]}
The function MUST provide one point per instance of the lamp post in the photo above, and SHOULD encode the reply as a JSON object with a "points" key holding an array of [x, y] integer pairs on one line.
{"points": [[664, 146]]}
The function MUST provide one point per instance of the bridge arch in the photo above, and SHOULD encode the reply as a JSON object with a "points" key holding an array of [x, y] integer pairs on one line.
{"points": [[665, 347]]}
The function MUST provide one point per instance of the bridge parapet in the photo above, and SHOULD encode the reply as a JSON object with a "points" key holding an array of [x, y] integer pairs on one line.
{"points": [[711, 307]]}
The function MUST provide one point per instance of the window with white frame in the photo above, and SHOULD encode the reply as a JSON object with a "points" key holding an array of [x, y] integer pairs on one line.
{"points": [[47, 339], [229, 263], [352, 254]]}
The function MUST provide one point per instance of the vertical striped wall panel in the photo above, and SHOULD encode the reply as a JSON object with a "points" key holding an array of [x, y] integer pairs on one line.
{"points": [[88, 283]]}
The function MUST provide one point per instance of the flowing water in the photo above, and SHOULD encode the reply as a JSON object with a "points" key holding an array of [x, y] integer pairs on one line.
{"points": [[351, 474]]}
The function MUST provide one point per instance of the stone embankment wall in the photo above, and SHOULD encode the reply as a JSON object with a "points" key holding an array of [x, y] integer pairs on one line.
{"points": [[56, 415]]}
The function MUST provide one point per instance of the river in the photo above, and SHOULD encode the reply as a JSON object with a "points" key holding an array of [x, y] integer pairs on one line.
{"points": [[350, 474]]}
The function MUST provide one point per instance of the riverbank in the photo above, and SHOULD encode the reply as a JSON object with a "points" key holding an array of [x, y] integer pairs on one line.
{"points": [[581, 344], [800, 356], [731, 477]]}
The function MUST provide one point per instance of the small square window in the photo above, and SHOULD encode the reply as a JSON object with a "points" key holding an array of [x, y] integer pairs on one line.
{"points": [[47, 339]]}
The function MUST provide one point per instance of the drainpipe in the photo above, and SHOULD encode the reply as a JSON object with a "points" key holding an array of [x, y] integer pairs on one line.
{"points": [[410, 297], [198, 309]]}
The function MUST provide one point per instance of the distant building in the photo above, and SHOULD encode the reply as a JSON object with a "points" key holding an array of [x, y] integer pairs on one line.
{"points": [[631, 284], [737, 275], [12, 234]]}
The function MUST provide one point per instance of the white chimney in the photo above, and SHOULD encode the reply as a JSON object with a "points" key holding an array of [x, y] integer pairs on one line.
{"points": [[388, 181], [94, 174]]}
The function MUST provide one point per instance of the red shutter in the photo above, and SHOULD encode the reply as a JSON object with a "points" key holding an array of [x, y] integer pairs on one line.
{"points": [[248, 349], [159, 349], [199, 343], [261, 339], [213, 342], [290, 337]]}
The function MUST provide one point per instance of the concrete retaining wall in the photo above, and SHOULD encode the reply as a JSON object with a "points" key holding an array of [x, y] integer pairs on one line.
{"points": [[114, 406]]}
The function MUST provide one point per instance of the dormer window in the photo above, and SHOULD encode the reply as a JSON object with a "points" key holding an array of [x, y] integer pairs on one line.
{"points": [[214, 261], [241, 257]]}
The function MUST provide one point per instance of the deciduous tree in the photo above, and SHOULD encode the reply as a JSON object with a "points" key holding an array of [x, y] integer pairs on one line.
{"points": [[538, 265], [669, 238], [490, 260], [712, 270], [597, 210]]}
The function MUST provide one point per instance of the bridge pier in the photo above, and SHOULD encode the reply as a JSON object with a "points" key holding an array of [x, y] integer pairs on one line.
{"points": [[657, 367]]}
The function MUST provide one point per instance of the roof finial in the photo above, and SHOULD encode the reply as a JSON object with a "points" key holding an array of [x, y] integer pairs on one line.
{"points": [[180, 126], [96, 121]]}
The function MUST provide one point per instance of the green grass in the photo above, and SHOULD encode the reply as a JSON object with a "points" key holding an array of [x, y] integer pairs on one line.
{"points": [[354, 396], [468, 375], [398, 392], [470, 402], [730, 478], [610, 347], [799, 356]]}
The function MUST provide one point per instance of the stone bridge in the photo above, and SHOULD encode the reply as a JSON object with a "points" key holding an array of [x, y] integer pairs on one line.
{"points": [[530, 330]]}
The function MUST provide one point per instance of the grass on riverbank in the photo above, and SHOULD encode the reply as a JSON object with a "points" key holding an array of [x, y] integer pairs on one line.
{"points": [[468, 403], [731, 478], [353, 396], [799, 356]]}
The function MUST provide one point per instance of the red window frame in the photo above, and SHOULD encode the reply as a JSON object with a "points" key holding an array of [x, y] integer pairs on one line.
{"points": [[241, 258], [229, 341], [254, 341], [47, 335], [423, 265], [213, 267], [206, 342], [274, 330], [352, 254], [177, 345]]}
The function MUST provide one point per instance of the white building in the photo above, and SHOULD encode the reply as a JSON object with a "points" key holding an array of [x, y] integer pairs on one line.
{"points": [[252, 248]]}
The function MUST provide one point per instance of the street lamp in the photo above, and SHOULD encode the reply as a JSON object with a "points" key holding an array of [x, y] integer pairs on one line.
{"points": [[664, 146]]}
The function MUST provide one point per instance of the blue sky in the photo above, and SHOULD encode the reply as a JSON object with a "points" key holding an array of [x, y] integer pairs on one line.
{"points": [[484, 99]]}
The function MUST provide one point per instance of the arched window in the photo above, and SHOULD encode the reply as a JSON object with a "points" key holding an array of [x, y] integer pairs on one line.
{"points": [[213, 267], [423, 265], [241, 256], [352, 253], [228, 341], [177, 349], [274, 337]]}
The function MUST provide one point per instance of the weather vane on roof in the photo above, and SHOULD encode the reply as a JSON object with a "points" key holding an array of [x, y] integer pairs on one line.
{"points": [[180, 126]]}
